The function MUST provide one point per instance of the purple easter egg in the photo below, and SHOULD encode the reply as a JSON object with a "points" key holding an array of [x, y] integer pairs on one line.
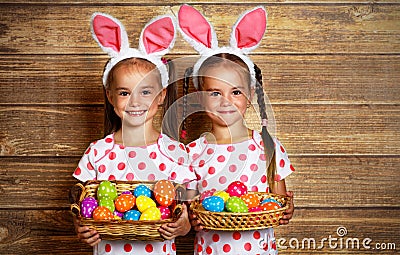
{"points": [[119, 214], [87, 207], [127, 192]]}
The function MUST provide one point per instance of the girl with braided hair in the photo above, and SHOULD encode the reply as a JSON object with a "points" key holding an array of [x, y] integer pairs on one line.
{"points": [[228, 80]]}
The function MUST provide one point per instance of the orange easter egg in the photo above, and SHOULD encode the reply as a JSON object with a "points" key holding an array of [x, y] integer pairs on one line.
{"points": [[251, 200], [164, 192], [270, 206], [125, 202], [102, 213]]}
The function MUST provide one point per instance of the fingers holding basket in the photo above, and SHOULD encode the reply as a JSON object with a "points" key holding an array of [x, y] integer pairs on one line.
{"points": [[288, 214], [86, 235], [178, 228]]}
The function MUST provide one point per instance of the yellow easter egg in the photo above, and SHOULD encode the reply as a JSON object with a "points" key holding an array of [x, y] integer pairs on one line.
{"points": [[151, 213], [144, 202], [222, 194]]}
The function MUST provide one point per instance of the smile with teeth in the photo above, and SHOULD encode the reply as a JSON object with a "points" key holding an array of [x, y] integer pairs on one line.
{"points": [[136, 113]]}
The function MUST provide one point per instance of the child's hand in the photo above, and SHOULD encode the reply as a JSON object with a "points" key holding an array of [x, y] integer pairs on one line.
{"points": [[85, 235], [288, 214], [195, 222], [179, 228]]}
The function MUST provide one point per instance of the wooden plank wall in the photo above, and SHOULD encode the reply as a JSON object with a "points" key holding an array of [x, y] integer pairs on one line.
{"points": [[332, 72]]}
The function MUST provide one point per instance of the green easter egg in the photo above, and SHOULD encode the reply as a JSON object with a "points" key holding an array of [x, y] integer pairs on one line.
{"points": [[107, 202], [236, 205], [106, 189]]}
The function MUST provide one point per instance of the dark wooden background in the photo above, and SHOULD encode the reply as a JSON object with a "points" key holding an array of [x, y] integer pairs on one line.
{"points": [[332, 72]]}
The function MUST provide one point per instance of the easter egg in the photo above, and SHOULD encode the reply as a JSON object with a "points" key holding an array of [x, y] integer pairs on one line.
{"points": [[143, 202], [222, 194], [107, 202], [270, 200], [125, 202], [88, 205], [151, 213], [102, 213], [250, 199], [207, 193], [106, 189], [165, 212], [236, 189], [213, 204], [126, 192], [270, 206], [120, 215], [164, 192], [132, 215], [255, 209], [236, 205], [142, 190]]}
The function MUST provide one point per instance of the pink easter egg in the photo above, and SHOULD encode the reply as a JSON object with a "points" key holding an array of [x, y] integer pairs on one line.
{"points": [[165, 212], [207, 193], [237, 189]]}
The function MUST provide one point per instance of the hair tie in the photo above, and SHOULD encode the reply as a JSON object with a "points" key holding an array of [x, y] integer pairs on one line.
{"points": [[264, 122]]}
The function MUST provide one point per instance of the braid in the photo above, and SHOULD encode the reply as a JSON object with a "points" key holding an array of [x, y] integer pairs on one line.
{"points": [[269, 146], [188, 73]]}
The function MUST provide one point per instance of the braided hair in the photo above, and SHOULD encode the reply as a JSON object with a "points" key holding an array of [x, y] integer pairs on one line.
{"points": [[269, 147]]}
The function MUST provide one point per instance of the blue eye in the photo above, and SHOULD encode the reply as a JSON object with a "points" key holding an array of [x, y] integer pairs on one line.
{"points": [[214, 93], [146, 92]]}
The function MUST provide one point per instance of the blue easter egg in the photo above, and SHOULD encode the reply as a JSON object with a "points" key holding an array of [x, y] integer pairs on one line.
{"points": [[142, 190], [213, 204], [267, 200], [132, 215]]}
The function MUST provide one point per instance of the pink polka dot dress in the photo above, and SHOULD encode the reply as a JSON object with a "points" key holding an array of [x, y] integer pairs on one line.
{"points": [[216, 166], [106, 160]]}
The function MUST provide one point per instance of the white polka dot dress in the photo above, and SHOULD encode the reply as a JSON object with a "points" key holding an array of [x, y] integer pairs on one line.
{"points": [[216, 166], [164, 160]]}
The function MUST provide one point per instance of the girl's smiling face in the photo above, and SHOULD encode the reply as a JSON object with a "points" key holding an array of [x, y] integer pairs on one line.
{"points": [[135, 95], [226, 94]]}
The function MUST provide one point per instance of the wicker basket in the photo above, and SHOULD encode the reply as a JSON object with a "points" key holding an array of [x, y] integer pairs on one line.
{"points": [[228, 221], [121, 229]]}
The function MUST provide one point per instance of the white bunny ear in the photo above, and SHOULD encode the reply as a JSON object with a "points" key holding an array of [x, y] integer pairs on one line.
{"points": [[158, 36], [249, 30], [109, 33], [196, 30]]}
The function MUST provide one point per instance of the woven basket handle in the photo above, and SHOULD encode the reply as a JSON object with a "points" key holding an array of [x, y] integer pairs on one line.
{"points": [[74, 196], [180, 198]]}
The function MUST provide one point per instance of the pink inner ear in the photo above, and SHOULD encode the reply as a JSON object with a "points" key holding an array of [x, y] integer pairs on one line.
{"points": [[251, 28], [195, 25], [108, 32], [158, 35]]}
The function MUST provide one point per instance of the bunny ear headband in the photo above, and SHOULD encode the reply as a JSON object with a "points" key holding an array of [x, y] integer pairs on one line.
{"points": [[156, 40], [246, 36]]}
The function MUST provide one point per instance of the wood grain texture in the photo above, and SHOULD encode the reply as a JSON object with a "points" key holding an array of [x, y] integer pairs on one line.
{"points": [[176, 2], [316, 28], [42, 231], [303, 129], [318, 182], [288, 79]]}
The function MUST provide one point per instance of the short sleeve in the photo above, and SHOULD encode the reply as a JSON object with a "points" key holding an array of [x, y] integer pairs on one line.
{"points": [[283, 166], [85, 170]]}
